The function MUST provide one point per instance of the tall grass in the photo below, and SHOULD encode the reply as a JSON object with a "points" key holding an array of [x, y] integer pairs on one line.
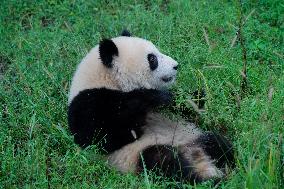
{"points": [[43, 41]]}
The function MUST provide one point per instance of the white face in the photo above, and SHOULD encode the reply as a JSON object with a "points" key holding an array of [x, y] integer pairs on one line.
{"points": [[140, 64]]}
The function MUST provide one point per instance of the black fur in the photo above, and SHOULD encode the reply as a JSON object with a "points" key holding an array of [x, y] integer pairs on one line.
{"points": [[107, 50], [167, 161], [125, 33], [218, 148], [111, 115]]}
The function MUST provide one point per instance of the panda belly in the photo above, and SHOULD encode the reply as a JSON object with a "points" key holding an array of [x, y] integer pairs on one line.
{"points": [[173, 147], [157, 131]]}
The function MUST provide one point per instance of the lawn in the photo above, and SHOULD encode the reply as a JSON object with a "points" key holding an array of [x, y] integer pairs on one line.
{"points": [[233, 50]]}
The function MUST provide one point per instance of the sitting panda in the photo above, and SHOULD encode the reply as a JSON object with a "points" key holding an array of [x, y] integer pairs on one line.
{"points": [[114, 95]]}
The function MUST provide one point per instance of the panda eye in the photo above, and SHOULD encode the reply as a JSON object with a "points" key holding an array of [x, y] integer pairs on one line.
{"points": [[153, 61]]}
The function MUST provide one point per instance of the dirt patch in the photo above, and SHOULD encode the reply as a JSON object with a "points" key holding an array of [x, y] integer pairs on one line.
{"points": [[26, 21], [4, 63], [163, 5], [47, 21]]}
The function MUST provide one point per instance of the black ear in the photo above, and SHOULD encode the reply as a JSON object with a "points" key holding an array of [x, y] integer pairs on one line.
{"points": [[125, 33], [107, 50]]}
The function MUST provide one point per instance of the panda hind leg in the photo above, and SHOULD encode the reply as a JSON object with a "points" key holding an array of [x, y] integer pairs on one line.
{"points": [[168, 161], [218, 148]]}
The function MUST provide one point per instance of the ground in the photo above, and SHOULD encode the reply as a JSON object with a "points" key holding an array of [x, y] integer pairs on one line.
{"points": [[43, 41]]}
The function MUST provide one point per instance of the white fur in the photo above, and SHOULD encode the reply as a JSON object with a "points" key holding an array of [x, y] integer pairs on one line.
{"points": [[130, 68], [163, 131], [159, 130], [200, 162]]}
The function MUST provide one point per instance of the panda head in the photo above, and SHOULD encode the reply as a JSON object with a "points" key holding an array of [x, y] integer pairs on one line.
{"points": [[136, 63]]}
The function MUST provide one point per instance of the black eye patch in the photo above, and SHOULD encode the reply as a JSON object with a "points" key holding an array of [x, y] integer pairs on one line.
{"points": [[153, 61]]}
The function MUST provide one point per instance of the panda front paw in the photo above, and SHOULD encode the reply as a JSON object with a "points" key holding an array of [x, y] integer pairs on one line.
{"points": [[166, 97], [151, 98], [160, 97]]}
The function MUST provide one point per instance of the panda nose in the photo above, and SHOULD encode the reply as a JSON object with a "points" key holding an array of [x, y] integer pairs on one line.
{"points": [[175, 67]]}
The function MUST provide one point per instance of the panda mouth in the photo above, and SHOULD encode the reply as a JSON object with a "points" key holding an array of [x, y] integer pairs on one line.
{"points": [[167, 79]]}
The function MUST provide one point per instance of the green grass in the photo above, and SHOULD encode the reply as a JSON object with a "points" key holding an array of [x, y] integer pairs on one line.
{"points": [[43, 41]]}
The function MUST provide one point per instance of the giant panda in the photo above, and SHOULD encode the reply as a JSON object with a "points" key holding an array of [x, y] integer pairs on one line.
{"points": [[113, 101]]}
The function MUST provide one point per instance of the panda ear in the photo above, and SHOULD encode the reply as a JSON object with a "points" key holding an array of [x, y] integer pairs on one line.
{"points": [[125, 33], [107, 50]]}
